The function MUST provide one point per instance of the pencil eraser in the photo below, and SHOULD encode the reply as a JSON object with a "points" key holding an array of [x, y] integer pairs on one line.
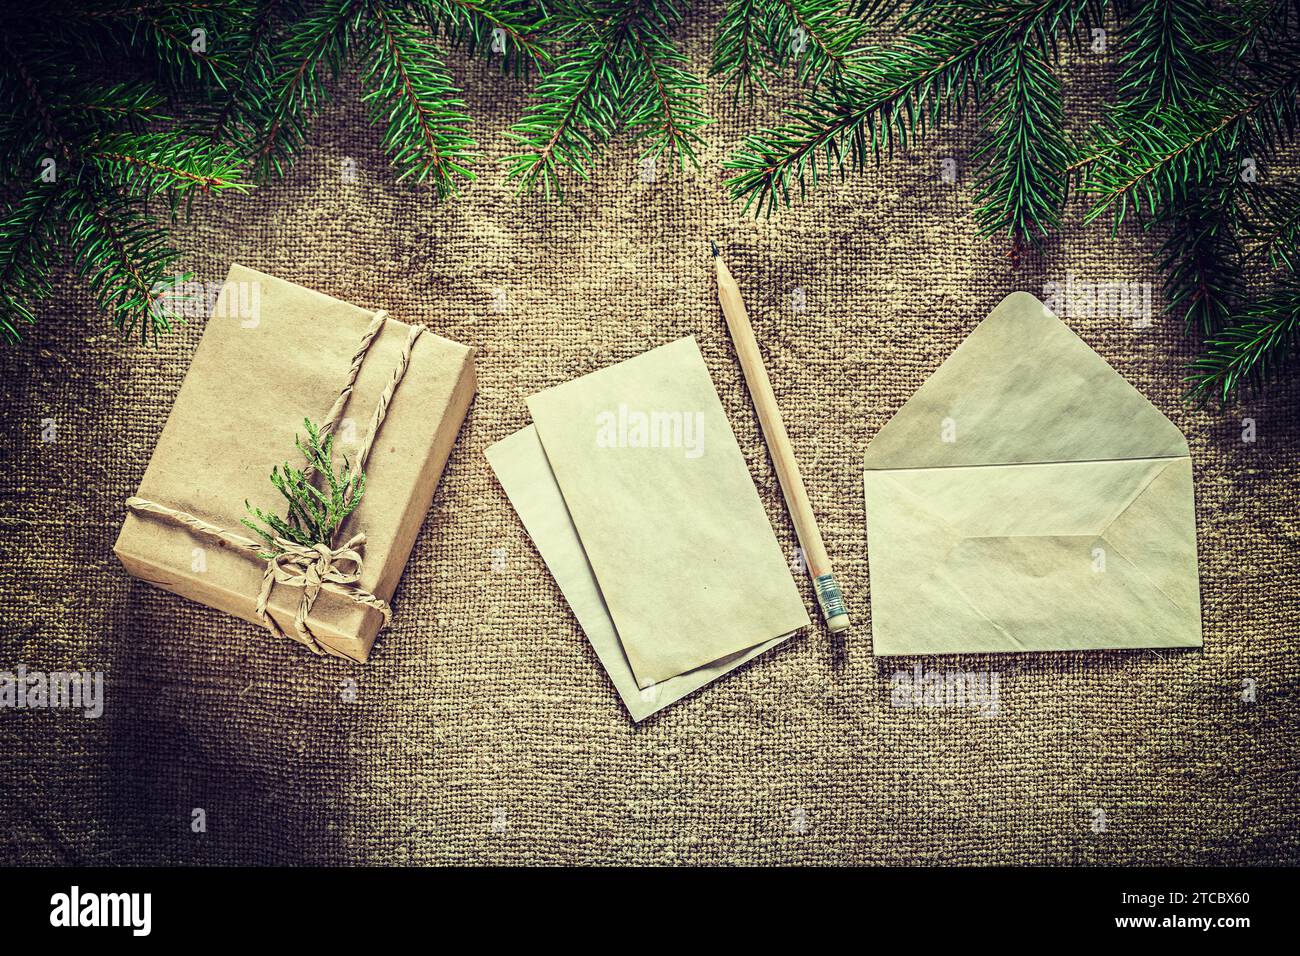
{"points": [[831, 602]]}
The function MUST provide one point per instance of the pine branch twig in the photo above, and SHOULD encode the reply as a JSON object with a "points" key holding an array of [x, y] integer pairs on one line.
{"points": [[410, 92], [1022, 153], [314, 52], [895, 94], [618, 68], [740, 50], [1251, 350], [314, 515]]}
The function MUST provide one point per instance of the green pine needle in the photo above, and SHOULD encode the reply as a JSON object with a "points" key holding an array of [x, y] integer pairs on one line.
{"points": [[313, 53], [894, 95], [1142, 164], [85, 157], [166, 161], [27, 246], [618, 68], [1251, 350], [411, 94], [661, 103], [1272, 224], [741, 53], [240, 110], [1165, 61], [508, 31], [816, 37], [124, 255], [1022, 153], [1201, 257]]}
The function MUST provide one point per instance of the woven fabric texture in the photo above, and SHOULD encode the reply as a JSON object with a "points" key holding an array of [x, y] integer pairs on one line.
{"points": [[483, 730]]}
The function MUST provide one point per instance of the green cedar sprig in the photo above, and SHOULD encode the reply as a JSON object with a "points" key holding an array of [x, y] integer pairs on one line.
{"points": [[314, 515]]}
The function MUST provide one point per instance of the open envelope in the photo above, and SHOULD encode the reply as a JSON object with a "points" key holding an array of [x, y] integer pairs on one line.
{"points": [[1028, 498]]}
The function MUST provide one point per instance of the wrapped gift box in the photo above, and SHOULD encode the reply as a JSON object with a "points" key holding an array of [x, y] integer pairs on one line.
{"points": [[272, 354]]}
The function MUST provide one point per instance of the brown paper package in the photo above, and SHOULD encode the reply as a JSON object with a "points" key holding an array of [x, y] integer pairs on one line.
{"points": [[272, 354]]}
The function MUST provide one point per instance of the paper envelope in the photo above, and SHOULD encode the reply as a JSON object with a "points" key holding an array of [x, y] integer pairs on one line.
{"points": [[1028, 498]]}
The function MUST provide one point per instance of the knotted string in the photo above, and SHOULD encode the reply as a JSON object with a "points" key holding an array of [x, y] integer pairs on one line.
{"points": [[311, 567]]}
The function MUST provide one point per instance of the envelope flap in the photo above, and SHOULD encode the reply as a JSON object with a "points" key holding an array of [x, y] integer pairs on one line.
{"points": [[1023, 388]]}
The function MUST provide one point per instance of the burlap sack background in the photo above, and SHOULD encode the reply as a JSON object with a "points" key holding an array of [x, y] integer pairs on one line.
{"points": [[484, 731]]}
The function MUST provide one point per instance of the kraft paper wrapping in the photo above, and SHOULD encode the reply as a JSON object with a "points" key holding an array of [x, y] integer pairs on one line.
{"points": [[689, 571], [1028, 498], [272, 354]]}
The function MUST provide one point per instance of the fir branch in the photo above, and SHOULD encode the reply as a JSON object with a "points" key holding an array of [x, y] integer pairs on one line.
{"points": [[1164, 64], [814, 35], [662, 103], [124, 256], [740, 49], [99, 212], [174, 44], [409, 91], [27, 245], [150, 163], [314, 516], [241, 113], [1144, 163], [571, 113], [1023, 153], [1272, 224], [510, 29], [314, 52], [901, 93], [29, 96], [895, 94], [131, 104], [171, 35], [1166, 78], [1201, 257], [1251, 350], [619, 68], [1241, 29]]}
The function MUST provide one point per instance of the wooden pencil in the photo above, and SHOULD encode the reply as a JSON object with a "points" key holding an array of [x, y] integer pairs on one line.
{"points": [[815, 557]]}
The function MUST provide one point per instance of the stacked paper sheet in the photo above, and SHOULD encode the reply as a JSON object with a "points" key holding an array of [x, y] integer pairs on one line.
{"points": [[632, 486]]}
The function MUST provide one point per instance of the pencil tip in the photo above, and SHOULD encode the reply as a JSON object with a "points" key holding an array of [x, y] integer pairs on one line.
{"points": [[714, 246]]}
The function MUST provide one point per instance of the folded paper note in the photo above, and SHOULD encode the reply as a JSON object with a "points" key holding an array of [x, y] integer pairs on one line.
{"points": [[272, 354], [679, 569], [521, 466], [1028, 498]]}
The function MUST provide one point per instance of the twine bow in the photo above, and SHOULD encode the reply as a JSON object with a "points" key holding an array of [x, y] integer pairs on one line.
{"points": [[318, 567], [312, 568]]}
